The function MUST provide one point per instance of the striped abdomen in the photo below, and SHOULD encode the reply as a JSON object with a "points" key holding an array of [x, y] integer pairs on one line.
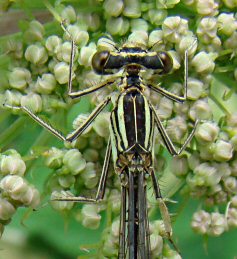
{"points": [[131, 124]]}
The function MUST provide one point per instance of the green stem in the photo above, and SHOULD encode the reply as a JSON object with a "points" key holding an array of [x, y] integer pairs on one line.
{"points": [[219, 104], [3, 115], [12, 132]]}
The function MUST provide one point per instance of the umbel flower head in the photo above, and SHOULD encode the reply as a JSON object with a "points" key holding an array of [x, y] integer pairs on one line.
{"points": [[35, 67]]}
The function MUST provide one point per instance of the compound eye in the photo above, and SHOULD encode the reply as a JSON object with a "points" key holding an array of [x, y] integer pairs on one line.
{"points": [[167, 62], [99, 60]]}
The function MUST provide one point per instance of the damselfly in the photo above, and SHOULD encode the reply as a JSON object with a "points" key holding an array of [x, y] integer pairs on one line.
{"points": [[131, 143]]}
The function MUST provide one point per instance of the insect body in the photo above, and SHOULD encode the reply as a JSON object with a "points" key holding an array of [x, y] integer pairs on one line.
{"points": [[132, 124]]}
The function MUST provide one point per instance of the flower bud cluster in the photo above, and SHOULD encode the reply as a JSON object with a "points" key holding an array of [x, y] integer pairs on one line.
{"points": [[15, 191], [212, 224], [38, 76]]}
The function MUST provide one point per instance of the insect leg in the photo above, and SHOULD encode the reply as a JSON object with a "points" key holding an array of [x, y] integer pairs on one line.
{"points": [[54, 131], [89, 90], [89, 120], [122, 226], [170, 95], [132, 225], [163, 209], [143, 250], [72, 55], [102, 183], [167, 141]]}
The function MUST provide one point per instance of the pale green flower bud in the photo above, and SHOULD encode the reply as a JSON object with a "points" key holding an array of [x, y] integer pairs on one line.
{"points": [[185, 43], [139, 37], [52, 44], [174, 27], [231, 42], [189, 2], [230, 184], [12, 98], [64, 170], [157, 227], [231, 120], [115, 200], [203, 63], [80, 143], [223, 151], [155, 37], [15, 186], [233, 165], [207, 132], [221, 197], [176, 59], [176, 128], [110, 248], [35, 32], [232, 218], [156, 244], [193, 161], [132, 8], [7, 210], [36, 54], [157, 17], [227, 23], [207, 29], [91, 155], [54, 158], [207, 7], [19, 78], [214, 46], [61, 205], [206, 151], [139, 25], [69, 14], [218, 224], [79, 120], [14, 48], [81, 37], [179, 166], [32, 101], [101, 124], [200, 110], [74, 161], [105, 44], [90, 217], [230, 3], [66, 181], [115, 228], [165, 108], [52, 63], [164, 4], [86, 54], [12, 165], [223, 169], [64, 52], [45, 84], [233, 201], [31, 197], [61, 72], [206, 175], [89, 176], [93, 21], [117, 26], [201, 221], [113, 8], [195, 89]]}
